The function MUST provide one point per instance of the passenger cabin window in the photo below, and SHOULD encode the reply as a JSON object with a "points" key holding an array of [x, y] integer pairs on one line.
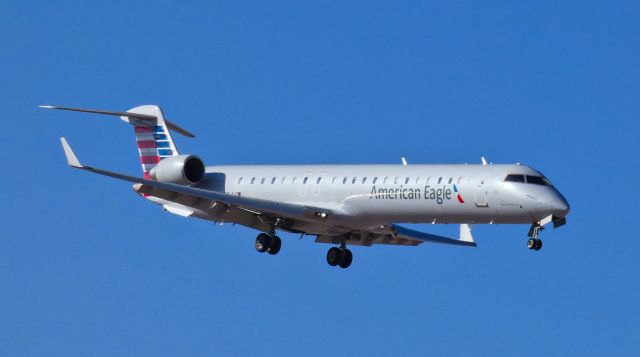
{"points": [[334, 180], [273, 180], [514, 178], [318, 180], [305, 180], [253, 179], [262, 181], [385, 180], [354, 180], [440, 180], [364, 179], [395, 181], [450, 180], [406, 181], [240, 180], [538, 180], [294, 180], [375, 179]]}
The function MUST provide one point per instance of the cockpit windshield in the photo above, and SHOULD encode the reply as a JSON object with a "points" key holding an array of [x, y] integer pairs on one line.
{"points": [[538, 180], [534, 180], [514, 178]]}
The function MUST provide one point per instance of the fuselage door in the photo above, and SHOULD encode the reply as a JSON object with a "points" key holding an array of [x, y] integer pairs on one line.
{"points": [[481, 192]]}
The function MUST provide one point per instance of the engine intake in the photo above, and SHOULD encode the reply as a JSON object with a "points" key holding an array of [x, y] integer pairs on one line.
{"points": [[181, 170]]}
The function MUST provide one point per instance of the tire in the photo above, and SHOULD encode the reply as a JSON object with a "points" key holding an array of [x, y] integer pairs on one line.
{"points": [[538, 244], [531, 243], [275, 245], [262, 242], [334, 256], [346, 259]]}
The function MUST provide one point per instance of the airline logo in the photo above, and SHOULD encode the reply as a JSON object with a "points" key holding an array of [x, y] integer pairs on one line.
{"points": [[455, 189], [153, 146], [439, 194]]}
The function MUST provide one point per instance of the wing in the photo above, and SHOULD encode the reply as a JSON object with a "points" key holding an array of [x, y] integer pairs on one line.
{"points": [[259, 210], [399, 235]]}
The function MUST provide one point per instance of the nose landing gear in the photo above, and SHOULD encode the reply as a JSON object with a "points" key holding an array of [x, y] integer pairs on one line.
{"points": [[534, 242], [340, 256]]}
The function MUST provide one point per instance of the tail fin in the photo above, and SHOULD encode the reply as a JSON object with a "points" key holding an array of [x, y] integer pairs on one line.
{"points": [[153, 139]]}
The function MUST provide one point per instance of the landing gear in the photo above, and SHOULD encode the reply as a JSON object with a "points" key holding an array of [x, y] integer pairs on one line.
{"points": [[334, 255], [276, 243], [268, 243], [534, 242], [340, 256]]}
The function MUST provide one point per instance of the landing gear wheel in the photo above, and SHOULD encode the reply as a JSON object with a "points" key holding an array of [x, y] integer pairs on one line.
{"points": [[346, 259], [334, 256], [534, 243], [274, 246], [262, 242], [538, 244]]}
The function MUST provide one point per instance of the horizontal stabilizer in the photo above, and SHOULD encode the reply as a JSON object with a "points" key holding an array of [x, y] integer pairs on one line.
{"points": [[142, 117]]}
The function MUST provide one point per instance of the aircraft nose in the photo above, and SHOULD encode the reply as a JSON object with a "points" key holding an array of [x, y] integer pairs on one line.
{"points": [[560, 206]]}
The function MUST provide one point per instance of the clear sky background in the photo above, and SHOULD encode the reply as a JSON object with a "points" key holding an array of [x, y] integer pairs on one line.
{"points": [[89, 268]]}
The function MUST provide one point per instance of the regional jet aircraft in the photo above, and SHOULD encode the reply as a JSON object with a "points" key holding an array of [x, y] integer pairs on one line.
{"points": [[338, 204]]}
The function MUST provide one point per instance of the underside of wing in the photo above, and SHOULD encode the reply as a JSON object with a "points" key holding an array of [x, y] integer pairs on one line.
{"points": [[398, 235], [216, 210], [465, 236]]}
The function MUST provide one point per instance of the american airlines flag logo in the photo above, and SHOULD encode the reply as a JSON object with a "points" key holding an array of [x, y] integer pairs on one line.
{"points": [[455, 189], [153, 146]]}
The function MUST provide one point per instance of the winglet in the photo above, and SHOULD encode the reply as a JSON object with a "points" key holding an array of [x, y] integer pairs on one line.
{"points": [[465, 233], [72, 160]]}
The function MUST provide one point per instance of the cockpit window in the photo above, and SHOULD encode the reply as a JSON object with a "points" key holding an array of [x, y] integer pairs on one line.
{"points": [[514, 178], [538, 180]]}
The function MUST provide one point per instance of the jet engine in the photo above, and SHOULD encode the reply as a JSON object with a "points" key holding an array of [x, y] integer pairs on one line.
{"points": [[181, 170]]}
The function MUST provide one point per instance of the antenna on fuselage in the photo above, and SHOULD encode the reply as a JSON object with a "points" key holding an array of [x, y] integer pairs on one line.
{"points": [[484, 161], [404, 161]]}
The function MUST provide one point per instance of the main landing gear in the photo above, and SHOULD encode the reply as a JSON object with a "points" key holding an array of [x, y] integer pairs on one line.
{"points": [[269, 243], [534, 242], [340, 256]]}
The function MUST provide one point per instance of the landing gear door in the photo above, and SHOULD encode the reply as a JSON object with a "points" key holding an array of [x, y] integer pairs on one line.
{"points": [[481, 192]]}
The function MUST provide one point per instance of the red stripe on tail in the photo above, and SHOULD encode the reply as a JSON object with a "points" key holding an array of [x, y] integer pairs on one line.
{"points": [[149, 159], [142, 129], [149, 144]]}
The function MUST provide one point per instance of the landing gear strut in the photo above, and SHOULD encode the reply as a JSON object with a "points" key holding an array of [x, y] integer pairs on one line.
{"points": [[534, 242], [269, 243], [340, 256]]}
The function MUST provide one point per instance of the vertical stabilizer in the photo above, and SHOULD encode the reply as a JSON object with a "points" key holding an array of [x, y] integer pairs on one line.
{"points": [[153, 139]]}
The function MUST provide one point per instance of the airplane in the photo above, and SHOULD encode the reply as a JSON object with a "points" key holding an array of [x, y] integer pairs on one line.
{"points": [[338, 204]]}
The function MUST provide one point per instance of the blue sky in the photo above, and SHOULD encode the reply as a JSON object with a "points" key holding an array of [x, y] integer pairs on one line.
{"points": [[88, 268]]}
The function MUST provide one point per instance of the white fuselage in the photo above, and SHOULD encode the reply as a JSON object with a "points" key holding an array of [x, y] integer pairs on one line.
{"points": [[368, 195]]}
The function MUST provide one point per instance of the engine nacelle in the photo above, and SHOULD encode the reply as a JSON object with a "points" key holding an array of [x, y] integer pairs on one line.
{"points": [[181, 170]]}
